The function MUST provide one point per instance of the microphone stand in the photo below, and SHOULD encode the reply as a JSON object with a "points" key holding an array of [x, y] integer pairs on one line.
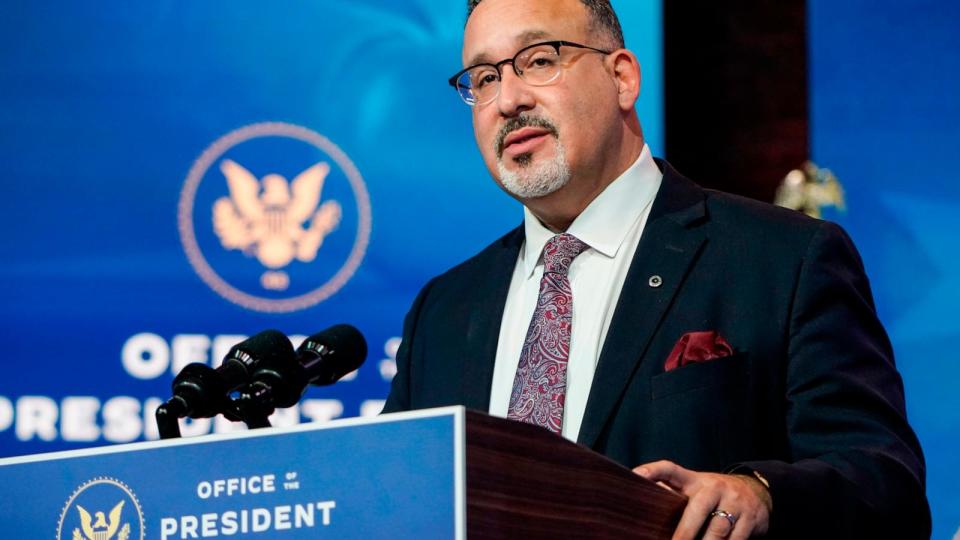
{"points": [[168, 416], [254, 405]]}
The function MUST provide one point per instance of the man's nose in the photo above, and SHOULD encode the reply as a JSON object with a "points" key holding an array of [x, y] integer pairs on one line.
{"points": [[515, 96]]}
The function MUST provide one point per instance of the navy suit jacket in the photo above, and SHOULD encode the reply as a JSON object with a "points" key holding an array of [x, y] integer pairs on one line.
{"points": [[811, 399]]}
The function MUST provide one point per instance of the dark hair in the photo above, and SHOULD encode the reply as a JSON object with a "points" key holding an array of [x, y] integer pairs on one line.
{"points": [[603, 19]]}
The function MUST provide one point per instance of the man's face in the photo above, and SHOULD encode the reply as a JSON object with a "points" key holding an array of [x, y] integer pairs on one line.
{"points": [[533, 139]]}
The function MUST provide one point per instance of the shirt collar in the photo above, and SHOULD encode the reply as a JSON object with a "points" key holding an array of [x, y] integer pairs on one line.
{"points": [[605, 223]]}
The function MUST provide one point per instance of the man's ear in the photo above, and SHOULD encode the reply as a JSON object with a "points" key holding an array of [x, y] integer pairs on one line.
{"points": [[625, 69]]}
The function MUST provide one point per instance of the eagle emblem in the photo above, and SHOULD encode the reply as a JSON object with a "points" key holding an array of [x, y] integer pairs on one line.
{"points": [[810, 189], [268, 219], [257, 223], [101, 529]]}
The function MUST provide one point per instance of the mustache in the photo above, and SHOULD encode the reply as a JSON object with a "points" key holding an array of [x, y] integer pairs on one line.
{"points": [[519, 122]]}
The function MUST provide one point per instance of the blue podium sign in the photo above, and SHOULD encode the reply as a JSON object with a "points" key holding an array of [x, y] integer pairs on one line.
{"points": [[397, 476]]}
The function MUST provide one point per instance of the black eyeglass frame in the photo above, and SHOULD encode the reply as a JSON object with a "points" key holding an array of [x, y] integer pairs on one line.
{"points": [[513, 61]]}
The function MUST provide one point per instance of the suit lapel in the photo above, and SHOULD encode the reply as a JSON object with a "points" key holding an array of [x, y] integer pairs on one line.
{"points": [[483, 326], [668, 246]]}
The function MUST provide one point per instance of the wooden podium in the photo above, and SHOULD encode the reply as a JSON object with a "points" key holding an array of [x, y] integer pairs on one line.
{"points": [[524, 482], [440, 473]]}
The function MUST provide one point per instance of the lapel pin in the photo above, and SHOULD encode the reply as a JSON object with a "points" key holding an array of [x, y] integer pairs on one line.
{"points": [[655, 281]]}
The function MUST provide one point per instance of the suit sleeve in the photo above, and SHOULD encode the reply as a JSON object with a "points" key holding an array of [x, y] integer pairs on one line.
{"points": [[856, 467], [400, 397]]}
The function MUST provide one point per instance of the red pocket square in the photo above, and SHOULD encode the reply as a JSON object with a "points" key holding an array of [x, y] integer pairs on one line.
{"points": [[697, 347]]}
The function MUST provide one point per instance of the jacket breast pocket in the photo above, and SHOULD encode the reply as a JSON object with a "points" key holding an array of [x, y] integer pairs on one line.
{"points": [[726, 371], [700, 412]]}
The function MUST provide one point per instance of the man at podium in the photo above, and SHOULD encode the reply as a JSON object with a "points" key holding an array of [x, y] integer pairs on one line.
{"points": [[724, 347]]}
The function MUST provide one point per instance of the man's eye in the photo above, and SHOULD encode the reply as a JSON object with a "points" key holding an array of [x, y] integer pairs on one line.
{"points": [[485, 79], [541, 62]]}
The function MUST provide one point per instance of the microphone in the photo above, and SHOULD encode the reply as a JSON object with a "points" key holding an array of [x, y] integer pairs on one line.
{"points": [[322, 359], [199, 391], [329, 355]]}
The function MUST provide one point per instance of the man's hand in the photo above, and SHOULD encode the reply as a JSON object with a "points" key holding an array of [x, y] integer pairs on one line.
{"points": [[743, 497]]}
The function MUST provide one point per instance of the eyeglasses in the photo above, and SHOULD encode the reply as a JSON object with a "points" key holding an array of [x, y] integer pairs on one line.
{"points": [[537, 65]]}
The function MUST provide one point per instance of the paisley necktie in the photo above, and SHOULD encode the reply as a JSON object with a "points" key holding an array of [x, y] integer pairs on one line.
{"points": [[541, 381]]}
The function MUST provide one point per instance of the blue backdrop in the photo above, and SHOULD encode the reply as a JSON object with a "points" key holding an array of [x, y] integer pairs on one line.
{"points": [[885, 117], [128, 255], [108, 109]]}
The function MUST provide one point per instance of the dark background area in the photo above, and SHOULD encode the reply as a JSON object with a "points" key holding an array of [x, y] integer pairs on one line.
{"points": [[736, 103]]}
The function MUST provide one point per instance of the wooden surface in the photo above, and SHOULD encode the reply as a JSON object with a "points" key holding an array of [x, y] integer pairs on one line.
{"points": [[524, 482]]}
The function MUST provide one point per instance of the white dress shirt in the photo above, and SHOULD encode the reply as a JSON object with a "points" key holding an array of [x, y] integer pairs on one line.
{"points": [[611, 226]]}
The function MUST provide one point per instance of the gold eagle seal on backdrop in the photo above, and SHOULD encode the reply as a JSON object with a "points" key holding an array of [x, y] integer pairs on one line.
{"points": [[266, 219], [266, 234]]}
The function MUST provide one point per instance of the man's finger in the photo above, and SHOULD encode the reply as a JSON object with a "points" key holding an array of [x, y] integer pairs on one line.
{"points": [[743, 529], [718, 527], [696, 514], [667, 487], [666, 471]]}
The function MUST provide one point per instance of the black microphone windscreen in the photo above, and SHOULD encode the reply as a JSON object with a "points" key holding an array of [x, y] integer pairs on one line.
{"points": [[332, 353], [347, 341], [269, 346]]}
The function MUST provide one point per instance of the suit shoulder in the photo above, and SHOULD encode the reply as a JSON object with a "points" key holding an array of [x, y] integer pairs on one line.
{"points": [[727, 206], [764, 222]]}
